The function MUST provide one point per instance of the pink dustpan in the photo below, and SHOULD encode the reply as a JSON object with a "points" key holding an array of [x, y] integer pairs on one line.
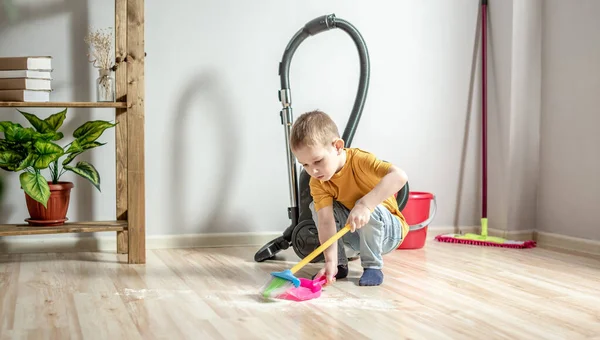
{"points": [[308, 290]]}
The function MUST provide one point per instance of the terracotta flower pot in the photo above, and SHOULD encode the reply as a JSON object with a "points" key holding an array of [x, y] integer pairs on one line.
{"points": [[58, 204]]}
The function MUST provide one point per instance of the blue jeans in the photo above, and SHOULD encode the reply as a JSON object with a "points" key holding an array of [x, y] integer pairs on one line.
{"points": [[381, 235]]}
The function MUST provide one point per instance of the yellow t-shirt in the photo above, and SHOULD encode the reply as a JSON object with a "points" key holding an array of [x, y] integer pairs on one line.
{"points": [[359, 175]]}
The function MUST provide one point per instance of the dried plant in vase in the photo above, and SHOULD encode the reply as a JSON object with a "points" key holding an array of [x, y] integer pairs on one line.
{"points": [[101, 44]]}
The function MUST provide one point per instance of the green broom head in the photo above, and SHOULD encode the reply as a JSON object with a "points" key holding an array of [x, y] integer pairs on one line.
{"points": [[279, 283]]}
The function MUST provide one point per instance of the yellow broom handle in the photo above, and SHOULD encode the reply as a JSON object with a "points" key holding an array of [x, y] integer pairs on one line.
{"points": [[319, 250]]}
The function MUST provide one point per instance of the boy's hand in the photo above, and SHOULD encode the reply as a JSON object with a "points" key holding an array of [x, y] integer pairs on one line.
{"points": [[329, 271], [359, 216]]}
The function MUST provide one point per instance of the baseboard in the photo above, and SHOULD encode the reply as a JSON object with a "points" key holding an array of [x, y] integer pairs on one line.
{"points": [[107, 242], [543, 239], [568, 243]]}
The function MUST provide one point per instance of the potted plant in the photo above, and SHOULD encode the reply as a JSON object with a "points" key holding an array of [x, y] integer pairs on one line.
{"points": [[30, 150]]}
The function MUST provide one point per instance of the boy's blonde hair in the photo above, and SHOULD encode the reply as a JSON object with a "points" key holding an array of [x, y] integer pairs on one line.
{"points": [[314, 128]]}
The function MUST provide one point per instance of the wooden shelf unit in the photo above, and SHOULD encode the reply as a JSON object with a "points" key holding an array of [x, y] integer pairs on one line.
{"points": [[130, 221], [65, 104]]}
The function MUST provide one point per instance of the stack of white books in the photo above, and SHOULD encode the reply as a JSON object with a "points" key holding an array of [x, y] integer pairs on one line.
{"points": [[25, 79]]}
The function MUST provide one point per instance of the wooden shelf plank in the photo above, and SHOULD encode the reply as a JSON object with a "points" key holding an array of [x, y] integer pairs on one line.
{"points": [[70, 227], [65, 104]]}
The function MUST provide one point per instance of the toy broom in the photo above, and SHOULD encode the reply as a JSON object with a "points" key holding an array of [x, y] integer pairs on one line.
{"points": [[483, 239], [285, 280]]}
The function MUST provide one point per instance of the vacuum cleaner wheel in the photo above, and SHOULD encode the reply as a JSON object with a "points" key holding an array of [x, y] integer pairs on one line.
{"points": [[305, 239]]}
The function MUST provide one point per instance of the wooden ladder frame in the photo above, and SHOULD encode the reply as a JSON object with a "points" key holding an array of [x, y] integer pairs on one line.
{"points": [[130, 158], [130, 222]]}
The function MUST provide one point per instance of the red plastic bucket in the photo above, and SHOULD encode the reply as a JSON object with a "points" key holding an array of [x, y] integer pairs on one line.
{"points": [[418, 214]]}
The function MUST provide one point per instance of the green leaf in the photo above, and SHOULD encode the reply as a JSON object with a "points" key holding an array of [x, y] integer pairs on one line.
{"points": [[38, 124], [50, 124], [77, 147], [46, 152], [36, 186], [87, 171], [5, 125], [75, 150], [15, 132], [92, 145], [74, 147], [15, 156], [27, 162], [71, 156], [48, 136], [56, 120], [57, 136], [10, 157], [7, 145], [90, 131], [21, 135], [46, 129], [23, 164]]}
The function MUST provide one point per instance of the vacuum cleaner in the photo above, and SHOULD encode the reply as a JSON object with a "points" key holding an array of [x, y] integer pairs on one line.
{"points": [[302, 233]]}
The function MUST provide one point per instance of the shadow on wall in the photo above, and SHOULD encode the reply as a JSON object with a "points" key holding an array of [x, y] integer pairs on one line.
{"points": [[14, 14], [7, 210], [208, 86]]}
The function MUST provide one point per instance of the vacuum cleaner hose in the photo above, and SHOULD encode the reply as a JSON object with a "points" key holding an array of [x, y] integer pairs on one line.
{"points": [[316, 26], [320, 24], [363, 83]]}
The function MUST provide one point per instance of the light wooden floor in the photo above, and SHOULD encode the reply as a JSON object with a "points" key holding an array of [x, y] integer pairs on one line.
{"points": [[444, 291]]}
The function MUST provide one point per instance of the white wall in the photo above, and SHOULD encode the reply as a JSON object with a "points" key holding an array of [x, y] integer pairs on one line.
{"points": [[570, 161], [212, 70]]}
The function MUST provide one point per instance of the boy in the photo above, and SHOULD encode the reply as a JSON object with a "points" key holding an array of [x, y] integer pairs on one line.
{"points": [[349, 186]]}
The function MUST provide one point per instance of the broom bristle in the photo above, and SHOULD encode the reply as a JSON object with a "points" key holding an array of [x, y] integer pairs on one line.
{"points": [[275, 287], [506, 244]]}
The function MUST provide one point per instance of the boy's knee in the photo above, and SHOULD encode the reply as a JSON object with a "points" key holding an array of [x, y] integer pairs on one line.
{"points": [[371, 228], [379, 214], [378, 220]]}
